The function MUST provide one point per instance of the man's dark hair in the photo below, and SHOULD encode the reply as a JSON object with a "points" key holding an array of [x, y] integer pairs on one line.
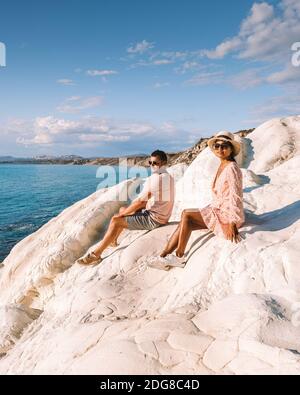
{"points": [[161, 155]]}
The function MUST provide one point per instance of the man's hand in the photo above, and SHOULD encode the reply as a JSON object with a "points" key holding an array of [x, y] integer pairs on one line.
{"points": [[118, 216], [232, 233], [120, 213], [135, 206]]}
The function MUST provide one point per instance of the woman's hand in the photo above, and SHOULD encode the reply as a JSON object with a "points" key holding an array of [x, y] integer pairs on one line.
{"points": [[233, 233]]}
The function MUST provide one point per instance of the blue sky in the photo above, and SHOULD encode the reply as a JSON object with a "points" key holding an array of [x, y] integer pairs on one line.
{"points": [[115, 77]]}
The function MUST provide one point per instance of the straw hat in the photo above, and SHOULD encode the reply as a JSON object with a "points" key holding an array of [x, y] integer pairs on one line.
{"points": [[227, 137]]}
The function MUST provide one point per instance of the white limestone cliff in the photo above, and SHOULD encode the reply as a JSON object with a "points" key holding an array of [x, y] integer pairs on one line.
{"points": [[234, 308]]}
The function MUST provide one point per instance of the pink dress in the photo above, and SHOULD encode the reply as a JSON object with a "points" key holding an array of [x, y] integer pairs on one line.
{"points": [[227, 204]]}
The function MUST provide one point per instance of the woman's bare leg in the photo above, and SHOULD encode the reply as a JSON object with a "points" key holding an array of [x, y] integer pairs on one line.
{"points": [[172, 243], [198, 223], [191, 220]]}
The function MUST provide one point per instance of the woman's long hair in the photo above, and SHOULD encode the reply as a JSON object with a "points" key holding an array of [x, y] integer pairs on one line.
{"points": [[231, 157]]}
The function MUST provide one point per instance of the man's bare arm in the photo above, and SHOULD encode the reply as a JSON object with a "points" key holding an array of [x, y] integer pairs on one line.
{"points": [[133, 208]]}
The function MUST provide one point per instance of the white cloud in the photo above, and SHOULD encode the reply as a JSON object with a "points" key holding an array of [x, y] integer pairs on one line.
{"points": [[264, 35], [206, 78], [75, 104], [15, 126], [154, 58], [288, 75], [173, 55], [140, 47], [246, 79], [49, 130], [74, 98], [65, 82], [169, 127], [134, 128], [39, 139], [159, 85], [96, 138], [95, 73], [278, 106], [91, 132], [160, 58], [223, 49], [189, 66], [260, 13], [54, 126], [159, 62]]}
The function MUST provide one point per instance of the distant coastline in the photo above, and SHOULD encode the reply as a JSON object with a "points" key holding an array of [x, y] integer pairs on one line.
{"points": [[139, 160], [186, 157], [66, 160]]}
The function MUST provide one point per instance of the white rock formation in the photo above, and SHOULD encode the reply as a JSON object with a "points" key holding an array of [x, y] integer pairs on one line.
{"points": [[234, 309]]}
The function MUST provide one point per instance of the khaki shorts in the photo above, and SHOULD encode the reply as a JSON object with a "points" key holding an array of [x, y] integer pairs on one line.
{"points": [[141, 220]]}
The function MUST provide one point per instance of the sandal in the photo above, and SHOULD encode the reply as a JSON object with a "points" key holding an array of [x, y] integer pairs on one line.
{"points": [[89, 259]]}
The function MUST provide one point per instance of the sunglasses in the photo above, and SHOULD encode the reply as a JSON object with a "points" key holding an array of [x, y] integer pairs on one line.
{"points": [[222, 146], [153, 163]]}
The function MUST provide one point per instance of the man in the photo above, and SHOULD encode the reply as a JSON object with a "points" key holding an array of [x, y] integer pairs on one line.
{"points": [[151, 209]]}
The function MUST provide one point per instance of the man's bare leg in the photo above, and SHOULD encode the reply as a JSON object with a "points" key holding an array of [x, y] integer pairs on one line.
{"points": [[117, 224], [114, 243]]}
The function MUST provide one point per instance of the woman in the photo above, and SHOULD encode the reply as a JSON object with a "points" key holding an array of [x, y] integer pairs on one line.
{"points": [[224, 216]]}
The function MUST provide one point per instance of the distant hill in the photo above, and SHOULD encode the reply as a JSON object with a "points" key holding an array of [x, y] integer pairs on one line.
{"points": [[42, 159], [187, 156], [7, 158]]}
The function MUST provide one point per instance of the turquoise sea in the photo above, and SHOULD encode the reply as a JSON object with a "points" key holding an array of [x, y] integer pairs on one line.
{"points": [[30, 195]]}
